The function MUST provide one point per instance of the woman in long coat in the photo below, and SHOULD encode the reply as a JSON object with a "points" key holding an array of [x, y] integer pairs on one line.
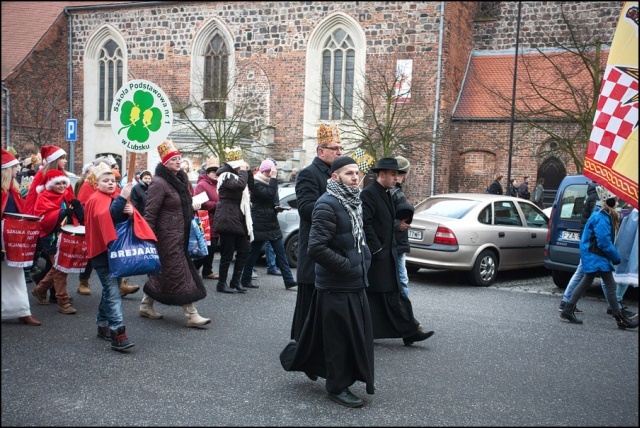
{"points": [[169, 211]]}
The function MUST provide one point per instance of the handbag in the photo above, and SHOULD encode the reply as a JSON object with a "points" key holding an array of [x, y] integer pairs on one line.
{"points": [[129, 255], [197, 241]]}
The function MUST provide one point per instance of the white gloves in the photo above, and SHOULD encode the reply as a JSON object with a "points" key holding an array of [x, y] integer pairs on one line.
{"points": [[196, 206]]}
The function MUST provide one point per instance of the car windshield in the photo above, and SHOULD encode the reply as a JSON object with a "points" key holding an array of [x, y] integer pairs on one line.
{"points": [[450, 208]]}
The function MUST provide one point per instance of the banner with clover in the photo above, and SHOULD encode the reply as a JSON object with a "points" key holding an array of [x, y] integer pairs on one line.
{"points": [[141, 116]]}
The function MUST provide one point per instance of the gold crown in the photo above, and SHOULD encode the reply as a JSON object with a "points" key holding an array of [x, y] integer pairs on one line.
{"points": [[98, 170], [165, 148], [232, 154], [328, 134]]}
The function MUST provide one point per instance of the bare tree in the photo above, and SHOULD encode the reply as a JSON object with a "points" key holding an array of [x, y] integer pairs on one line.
{"points": [[39, 101], [388, 115], [557, 90], [235, 116]]}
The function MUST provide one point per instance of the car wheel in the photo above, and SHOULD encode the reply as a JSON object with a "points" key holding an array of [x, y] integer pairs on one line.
{"points": [[412, 269], [291, 249], [485, 269], [561, 278]]}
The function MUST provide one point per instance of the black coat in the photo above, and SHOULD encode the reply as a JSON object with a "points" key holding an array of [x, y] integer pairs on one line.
{"points": [[139, 196], [379, 214], [496, 188], [311, 183], [339, 264], [264, 198], [402, 237], [589, 204], [228, 217]]}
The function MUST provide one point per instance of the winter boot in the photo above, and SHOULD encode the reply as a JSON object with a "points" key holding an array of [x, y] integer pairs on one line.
{"points": [[83, 287], [119, 341], [125, 288], [567, 314], [625, 322], [64, 307], [146, 308], [222, 287], [193, 318], [41, 295], [104, 333]]}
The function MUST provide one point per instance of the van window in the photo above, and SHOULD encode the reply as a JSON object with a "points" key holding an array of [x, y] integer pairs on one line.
{"points": [[572, 201]]}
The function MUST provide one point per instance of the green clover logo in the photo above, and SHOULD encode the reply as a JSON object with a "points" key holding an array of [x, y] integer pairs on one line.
{"points": [[140, 117]]}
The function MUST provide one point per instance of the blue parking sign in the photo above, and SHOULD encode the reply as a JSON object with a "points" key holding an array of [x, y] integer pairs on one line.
{"points": [[72, 129]]}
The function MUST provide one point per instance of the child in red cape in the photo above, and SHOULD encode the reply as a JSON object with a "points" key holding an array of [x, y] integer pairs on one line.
{"points": [[56, 208], [104, 209]]}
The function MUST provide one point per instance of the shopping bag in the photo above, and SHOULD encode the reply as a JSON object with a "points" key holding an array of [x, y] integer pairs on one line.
{"points": [[130, 255], [197, 242], [206, 226]]}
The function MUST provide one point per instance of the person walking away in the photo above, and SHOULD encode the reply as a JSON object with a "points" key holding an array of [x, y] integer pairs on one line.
{"points": [[311, 183], [15, 297], [232, 219], [56, 209], [336, 340], [391, 309], [496, 188], [139, 192], [169, 211], [208, 183], [599, 256], [103, 211], [538, 193], [523, 189], [264, 199]]}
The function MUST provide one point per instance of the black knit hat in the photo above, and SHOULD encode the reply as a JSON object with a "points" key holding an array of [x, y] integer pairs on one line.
{"points": [[211, 169], [342, 161]]}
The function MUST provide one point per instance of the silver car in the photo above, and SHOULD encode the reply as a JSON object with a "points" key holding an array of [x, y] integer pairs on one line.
{"points": [[289, 223], [478, 233]]}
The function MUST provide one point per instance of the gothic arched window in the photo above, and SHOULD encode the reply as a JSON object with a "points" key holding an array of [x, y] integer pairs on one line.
{"points": [[216, 77], [110, 66], [338, 64]]}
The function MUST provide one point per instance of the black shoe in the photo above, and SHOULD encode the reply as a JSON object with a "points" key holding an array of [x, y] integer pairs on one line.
{"points": [[250, 285], [567, 314], [346, 398], [610, 312], [275, 272], [418, 337], [625, 322], [239, 288], [289, 285], [222, 287], [576, 310], [311, 376]]}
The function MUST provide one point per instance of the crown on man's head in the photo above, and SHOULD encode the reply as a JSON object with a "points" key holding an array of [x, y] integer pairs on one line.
{"points": [[232, 154], [328, 134], [98, 170]]}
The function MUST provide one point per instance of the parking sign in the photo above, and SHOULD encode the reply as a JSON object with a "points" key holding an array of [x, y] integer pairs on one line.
{"points": [[72, 129]]}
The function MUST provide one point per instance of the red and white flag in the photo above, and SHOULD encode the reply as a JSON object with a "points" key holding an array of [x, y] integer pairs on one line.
{"points": [[612, 153]]}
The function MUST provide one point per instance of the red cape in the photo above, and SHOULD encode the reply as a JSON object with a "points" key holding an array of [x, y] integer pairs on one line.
{"points": [[16, 199], [85, 192], [32, 194], [48, 205], [99, 227]]}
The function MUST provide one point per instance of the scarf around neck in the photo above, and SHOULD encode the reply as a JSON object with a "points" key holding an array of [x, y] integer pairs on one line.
{"points": [[349, 197]]}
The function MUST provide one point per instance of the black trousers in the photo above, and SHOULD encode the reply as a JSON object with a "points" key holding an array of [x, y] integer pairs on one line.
{"points": [[230, 244], [206, 263]]}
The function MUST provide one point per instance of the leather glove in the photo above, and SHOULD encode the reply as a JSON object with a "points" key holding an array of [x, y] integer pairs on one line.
{"points": [[68, 211]]}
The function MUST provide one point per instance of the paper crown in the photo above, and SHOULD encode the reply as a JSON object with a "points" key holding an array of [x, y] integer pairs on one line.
{"points": [[328, 134], [98, 170], [167, 150], [232, 154], [363, 159]]}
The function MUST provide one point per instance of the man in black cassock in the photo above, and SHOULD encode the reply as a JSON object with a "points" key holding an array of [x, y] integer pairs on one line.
{"points": [[336, 341]]}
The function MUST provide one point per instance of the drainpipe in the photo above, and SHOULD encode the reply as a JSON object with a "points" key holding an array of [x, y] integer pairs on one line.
{"points": [[437, 106], [72, 144], [5, 89]]}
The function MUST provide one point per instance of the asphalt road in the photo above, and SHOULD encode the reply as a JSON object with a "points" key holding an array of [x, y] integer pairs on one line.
{"points": [[500, 356]]}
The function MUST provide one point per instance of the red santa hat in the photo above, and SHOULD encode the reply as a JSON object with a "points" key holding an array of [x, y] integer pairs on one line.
{"points": [[52, 178], [8, 160], [51, 153]]}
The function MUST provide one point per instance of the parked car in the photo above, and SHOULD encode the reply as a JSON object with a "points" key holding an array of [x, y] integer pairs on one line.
{"points": [[289, 223], [562, 251], [478, 233]]}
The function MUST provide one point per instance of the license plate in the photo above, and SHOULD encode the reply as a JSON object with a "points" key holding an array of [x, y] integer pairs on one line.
{"points": [[570, 236], [415, 234]]}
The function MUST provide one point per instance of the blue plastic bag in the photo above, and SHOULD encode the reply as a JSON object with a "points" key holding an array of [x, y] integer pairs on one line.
{"points": [[129, 255], [197, 241]]}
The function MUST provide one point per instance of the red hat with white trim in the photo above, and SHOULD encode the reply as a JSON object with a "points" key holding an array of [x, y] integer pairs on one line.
{"points": [[51, 153], [52, 178], [8, 160]]}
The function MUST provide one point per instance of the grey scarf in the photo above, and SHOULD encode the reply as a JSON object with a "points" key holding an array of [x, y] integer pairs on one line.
{"points": [[349, 197]]}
